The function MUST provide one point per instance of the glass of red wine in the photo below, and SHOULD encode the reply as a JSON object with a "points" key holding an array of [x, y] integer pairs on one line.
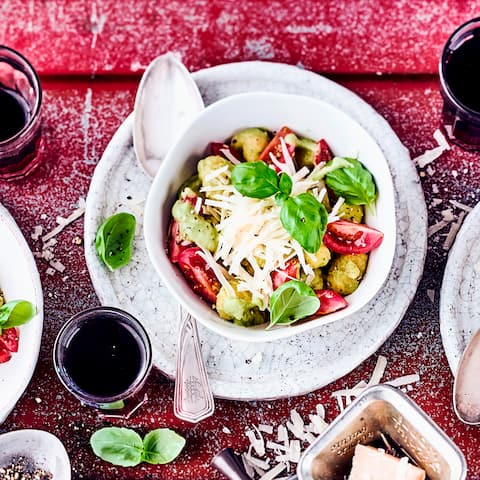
{"points": [[103, 356], [20, 116], [460, 85]]}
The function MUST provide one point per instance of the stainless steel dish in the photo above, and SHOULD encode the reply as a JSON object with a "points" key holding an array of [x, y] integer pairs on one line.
{"points": [[382, 410]]}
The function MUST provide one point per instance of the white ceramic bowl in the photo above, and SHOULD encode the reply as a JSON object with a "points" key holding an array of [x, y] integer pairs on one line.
{"points": [[42, 448], [307, 117]]}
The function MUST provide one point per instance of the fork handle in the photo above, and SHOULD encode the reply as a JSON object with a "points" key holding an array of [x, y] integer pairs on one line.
{"points": [[193, 399]]}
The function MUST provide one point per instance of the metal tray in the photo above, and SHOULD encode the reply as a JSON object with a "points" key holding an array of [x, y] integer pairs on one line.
{"points": [[382, 409]]}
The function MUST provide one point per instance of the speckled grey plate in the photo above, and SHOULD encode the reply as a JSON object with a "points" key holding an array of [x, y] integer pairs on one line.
{"points": [[283, 368], [459, 306]]}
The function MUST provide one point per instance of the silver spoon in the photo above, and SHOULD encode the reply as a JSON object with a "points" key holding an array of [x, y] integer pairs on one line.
{"points": [[167, 101], [466, 389]]}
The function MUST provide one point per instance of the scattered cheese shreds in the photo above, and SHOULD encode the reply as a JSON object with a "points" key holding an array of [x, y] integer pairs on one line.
{"points": [[64, 222], [433, 229], [378, 371], [274, 472], [431, 295], [440, 139], [431, 155], [453, 232], [461, 206], [428, 156], [405, 380], [37, 231]]}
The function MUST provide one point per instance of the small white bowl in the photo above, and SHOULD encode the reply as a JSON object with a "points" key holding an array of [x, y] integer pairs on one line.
{"points": [[307, 117], [43, 449]]}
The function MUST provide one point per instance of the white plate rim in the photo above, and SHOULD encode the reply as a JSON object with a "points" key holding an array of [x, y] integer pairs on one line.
{"points": [[365, 115], [456, 304], [36, 324]]}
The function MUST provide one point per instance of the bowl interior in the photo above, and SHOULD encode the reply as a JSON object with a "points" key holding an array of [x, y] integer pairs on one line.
{"points": [[305, 116]]}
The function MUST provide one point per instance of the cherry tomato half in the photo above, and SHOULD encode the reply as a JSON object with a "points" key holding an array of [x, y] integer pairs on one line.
{"points": [[5, 355], [175, 244], [9, 339], [349, 238], [275, 146], [198, 274], [330, 301], [290, 272], [322, 152]]}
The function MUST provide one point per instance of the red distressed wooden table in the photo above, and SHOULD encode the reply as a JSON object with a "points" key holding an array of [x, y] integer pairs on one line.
{"points": [[387, 52]]}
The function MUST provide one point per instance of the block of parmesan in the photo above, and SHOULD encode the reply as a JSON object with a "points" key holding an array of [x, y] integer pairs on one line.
{"points": [[374, 464]]}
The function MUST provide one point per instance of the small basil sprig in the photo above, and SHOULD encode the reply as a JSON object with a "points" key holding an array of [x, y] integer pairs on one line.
{"points": [[114, 240], [292, 301], [355, 183], [302, 216], [15, 313], [305, 219], [125, 447], [255, 180]]}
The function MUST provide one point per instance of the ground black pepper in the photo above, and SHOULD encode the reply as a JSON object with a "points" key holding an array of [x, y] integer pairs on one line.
{"points": [[21, 468]]}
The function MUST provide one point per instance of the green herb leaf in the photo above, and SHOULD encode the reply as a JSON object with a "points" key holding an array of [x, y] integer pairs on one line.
{"points": [[162, 446], [292, 301], [305, 219], [285, 184], [255, 180], [16, 313], [114, 240], [120, 446], [354, 183]]}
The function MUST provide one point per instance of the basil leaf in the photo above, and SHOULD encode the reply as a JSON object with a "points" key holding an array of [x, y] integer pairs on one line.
{"points": [[355, 184], [255, 180], [285, 184], [114, 240], [292, 301], [120, 446], [16, 313], [162, 446], [305, 219]]}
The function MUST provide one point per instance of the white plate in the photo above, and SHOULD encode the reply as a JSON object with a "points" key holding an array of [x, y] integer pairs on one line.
{"points": [[459, 304], [19, 279], [45, 451], [305, 362]]}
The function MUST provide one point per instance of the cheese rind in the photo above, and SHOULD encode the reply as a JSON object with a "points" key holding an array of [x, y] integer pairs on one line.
{"points": [[370, 463]]}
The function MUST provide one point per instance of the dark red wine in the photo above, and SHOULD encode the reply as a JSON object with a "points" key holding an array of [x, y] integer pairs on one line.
{"points": [[104, 357], [462, 71], [14, 113]]}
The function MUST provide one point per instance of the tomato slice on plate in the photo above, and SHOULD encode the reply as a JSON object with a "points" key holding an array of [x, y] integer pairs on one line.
{"points": [[9, 339], [199, 274], [330, 302], [275, 147], [349, 238], [175, 244], [290, 272]]}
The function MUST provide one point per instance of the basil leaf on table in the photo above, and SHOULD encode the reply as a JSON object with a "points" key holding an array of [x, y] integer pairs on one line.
{"points": [[292, 301], [114, 240], [162, 446], [355, 184], [119, 446], [305, 219], [16, 313], [125, 447], [255, 180]]}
